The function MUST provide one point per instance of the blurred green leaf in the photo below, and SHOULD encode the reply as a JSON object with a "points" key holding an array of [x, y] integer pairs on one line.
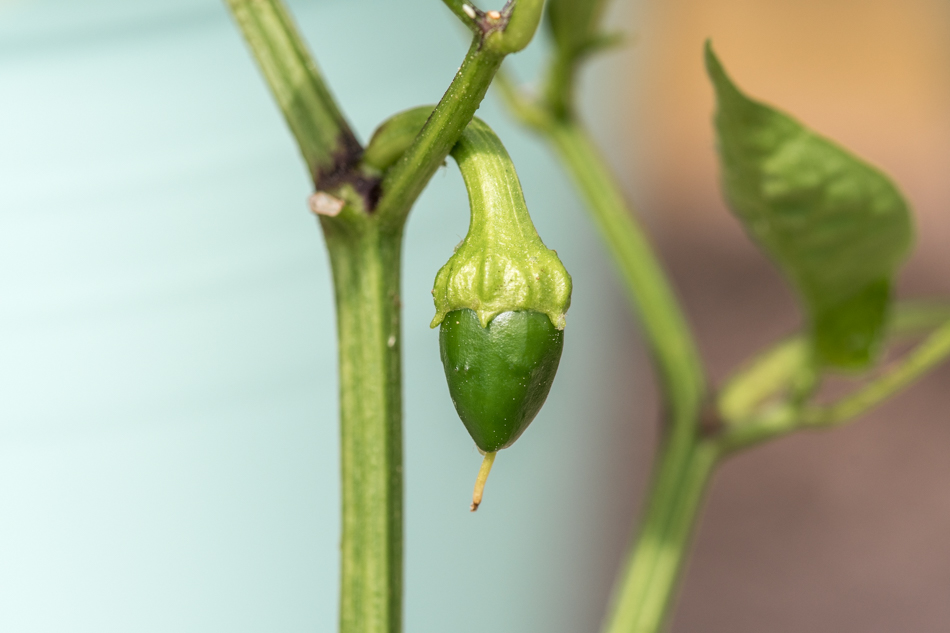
{"points": [[837, 227]]}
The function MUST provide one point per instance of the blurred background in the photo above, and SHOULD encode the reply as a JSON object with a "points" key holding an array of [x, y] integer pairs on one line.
{"points": [[839, 531], [168, 439]]}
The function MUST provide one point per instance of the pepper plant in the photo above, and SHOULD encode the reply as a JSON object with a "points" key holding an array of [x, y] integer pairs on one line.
{"points": [[836, 227]]}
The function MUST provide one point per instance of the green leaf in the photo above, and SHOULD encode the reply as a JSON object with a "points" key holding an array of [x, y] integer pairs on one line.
{"points": [[836, 226]]}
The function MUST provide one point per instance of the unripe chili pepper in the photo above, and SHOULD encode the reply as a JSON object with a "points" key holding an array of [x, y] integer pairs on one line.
{"points": [[500, 299], [500, 375]]}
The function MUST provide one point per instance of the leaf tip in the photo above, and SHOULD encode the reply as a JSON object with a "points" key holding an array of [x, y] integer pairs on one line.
{"points": [[708, 52], [721, 81], [713, 65]]}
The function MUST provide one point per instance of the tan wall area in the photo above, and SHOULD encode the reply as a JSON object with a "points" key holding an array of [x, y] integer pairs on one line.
{"points": [[873, 75]]}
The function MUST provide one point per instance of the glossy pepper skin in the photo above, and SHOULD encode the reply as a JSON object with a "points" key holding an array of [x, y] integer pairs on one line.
{"points": [[500, 375]]}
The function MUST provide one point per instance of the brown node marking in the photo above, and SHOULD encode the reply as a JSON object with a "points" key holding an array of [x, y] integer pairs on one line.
{"points": [[490, 21], [343, 170]]}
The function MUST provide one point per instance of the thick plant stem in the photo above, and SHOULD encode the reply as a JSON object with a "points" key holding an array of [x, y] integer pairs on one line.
{"points": [[648, 581], [650, 577], [667, 333], [366, 267]]}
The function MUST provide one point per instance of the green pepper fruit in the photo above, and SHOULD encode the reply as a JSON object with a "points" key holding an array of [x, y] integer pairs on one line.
{"points": [[500, 375], [500, 299]]}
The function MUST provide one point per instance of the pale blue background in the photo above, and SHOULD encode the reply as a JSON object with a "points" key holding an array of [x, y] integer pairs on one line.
{"points": [[168, 434]]}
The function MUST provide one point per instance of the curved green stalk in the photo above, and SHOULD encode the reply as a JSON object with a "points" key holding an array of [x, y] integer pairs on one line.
{"points": [[668, 335], [406, 179], [648, 579]]}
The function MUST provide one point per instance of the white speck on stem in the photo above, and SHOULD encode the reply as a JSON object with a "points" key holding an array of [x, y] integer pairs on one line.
{"points": [[323, 203], [469, 11], [392, 341]]}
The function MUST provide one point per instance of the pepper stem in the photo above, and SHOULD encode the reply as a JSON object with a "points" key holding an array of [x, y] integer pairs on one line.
{"points": [[482, 478]]}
